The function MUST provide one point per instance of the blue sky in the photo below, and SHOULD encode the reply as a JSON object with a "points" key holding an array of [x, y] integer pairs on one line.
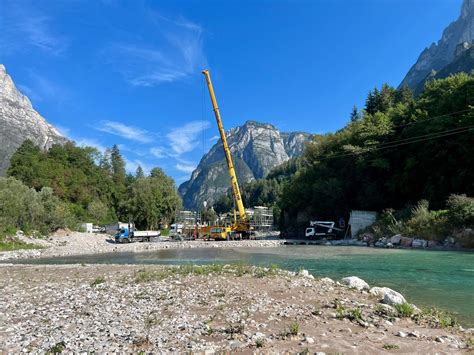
{"points": [[128, 72]]}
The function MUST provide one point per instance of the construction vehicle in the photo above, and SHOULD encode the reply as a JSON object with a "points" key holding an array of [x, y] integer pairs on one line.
{"points": [[241, 225], [129, 235], [321, 229]]}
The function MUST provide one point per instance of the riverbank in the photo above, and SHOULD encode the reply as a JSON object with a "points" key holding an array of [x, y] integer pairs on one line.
{"points": [[108, 308], [75, 243]]}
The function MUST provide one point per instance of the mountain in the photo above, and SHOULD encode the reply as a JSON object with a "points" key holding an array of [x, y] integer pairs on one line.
{"points": [[439, 56], [256, 149], [19, 121], [463, 62]]}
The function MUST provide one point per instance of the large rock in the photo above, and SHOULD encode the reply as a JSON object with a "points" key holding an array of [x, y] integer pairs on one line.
{"points": [[406, 242], [439, 56], [256, 149], [395, 240], [355, 282], [387, 295], [419, 243], [19, 122], [392, 297]]}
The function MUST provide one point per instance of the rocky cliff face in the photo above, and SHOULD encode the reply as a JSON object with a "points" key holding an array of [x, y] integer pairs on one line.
{"points": [[256, 148], [19, 121], [438, 56]]}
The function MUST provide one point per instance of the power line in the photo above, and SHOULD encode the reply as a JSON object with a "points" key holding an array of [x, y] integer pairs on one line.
{"points": [[406, 141], [433, 118]]}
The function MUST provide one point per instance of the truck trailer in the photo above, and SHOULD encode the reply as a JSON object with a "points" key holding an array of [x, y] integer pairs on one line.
{"points": [[124, 235]]}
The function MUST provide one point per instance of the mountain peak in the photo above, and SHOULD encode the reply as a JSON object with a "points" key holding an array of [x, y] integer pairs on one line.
{"points": [[19, 121], [256, 149], [438, 56]]}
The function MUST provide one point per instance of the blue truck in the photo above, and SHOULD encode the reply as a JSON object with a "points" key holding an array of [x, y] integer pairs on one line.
{"points": [[129, 235]]}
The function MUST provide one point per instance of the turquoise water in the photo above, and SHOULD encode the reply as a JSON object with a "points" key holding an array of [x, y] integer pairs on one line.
{"points": [[426, 278]]}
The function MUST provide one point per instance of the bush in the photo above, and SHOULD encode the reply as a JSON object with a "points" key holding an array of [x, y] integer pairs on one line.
{"points": [[460, 211], [26, 209], [425, 223]]}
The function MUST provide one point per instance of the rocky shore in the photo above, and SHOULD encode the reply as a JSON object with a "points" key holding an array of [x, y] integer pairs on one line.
{"points": [[65, 243], [129, 309]]}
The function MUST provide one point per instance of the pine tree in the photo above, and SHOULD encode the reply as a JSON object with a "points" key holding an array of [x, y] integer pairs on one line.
{"points": [[139, 173]]}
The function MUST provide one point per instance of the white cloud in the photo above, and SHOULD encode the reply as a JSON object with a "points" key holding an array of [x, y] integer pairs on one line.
{"points": [[132, 165], [87, 142], [185, 168], [184, 139], [25, 26], [158, 152], [174, 52], [124, 131], [214, 138]]}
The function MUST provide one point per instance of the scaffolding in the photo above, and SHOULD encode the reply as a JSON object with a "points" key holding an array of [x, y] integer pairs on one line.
{"points": [[189, 220], [261, 218]]}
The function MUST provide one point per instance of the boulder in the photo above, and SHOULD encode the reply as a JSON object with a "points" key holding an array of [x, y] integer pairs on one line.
{"points": [[387, 295], [419, 243], [392, 297], [389, 245], [395, 240], [432, 244], [355, 282], [327, 280], [387, 309], [379, 244], [305, 273], [406, 242]]}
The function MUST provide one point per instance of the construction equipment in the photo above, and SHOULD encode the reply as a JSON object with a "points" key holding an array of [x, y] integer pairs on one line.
{"points": [[321, 229], [241, 225], [129, 235]]}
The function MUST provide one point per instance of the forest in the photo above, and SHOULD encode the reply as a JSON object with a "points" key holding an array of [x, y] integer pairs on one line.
{"points": [[396, 151], [68, 185]]}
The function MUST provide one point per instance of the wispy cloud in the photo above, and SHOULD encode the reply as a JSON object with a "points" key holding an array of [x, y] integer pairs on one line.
{"points": [[158, 152], [175, 52], [132, 165], [128, 132], [27, 27], [87, 142], [213, 138], [185, 168], [184, 139]]}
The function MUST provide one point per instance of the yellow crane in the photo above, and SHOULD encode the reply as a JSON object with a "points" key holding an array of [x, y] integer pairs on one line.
{"points": [[242, 225]]}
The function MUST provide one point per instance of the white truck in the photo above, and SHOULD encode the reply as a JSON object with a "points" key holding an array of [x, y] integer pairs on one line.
{"points": [[124, 235], [321, 229]]}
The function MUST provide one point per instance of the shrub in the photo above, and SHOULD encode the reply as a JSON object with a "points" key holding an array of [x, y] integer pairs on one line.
{"points": [[405, 310], [294, 328], [460, 211], [425, 223]]}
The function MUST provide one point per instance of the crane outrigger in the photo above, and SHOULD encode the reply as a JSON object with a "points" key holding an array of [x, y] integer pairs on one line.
{"points": [[242, 225]]}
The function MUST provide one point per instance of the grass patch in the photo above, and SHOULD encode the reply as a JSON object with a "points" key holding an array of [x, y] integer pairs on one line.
{"points": [[405, 310], [260, 342], [57, 348], [390, 346], [144, 275], [437, 318], [11, 243], [355, 314], [98, 280], [294, 328]]}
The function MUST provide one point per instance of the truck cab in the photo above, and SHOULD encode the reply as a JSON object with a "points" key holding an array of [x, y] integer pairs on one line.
{"points": [[122, 235], [221, 233], [320, 229]]}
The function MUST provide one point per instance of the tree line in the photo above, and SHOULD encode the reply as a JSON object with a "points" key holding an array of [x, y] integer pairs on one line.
{"points": [[82, 185], [397, 150]]}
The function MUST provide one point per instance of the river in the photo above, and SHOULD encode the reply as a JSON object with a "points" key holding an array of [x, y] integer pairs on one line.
{"points": [[427, 278]]}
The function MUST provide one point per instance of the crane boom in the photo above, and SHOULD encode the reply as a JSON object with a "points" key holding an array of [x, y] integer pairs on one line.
{"points": [[230, 165]]}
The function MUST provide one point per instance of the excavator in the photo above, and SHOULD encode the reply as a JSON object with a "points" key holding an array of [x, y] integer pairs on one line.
{"points": [[241, 225]]}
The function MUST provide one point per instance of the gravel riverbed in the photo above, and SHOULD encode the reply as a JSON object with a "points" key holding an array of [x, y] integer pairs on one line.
{"points": [[207, 309]]}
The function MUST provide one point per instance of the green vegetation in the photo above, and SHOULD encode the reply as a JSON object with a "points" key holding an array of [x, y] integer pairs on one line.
{"points": [[67, 184], [390, 346], [294, 328], [57, 348], [405, 310], [369, 164], [98, 280], [420, 221], [144, 275], [437, 318]]}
